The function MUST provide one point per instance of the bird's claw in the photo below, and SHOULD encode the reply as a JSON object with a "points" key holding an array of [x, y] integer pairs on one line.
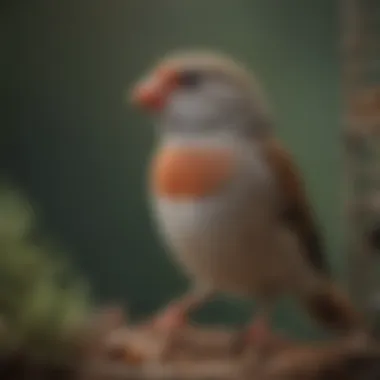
{"points": [[170, 324]]}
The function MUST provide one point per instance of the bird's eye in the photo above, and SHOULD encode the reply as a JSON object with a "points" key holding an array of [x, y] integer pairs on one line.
{"points": [[190, 78]]}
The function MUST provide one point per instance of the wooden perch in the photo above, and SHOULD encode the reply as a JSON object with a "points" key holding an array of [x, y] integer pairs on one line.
{"points": [[204, 354]]}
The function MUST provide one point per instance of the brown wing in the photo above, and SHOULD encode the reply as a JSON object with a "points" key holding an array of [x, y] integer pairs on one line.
{"points": [[296, 211]]}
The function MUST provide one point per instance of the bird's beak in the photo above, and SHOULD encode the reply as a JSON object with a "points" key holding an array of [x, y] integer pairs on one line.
{"points": [[154, 91]]}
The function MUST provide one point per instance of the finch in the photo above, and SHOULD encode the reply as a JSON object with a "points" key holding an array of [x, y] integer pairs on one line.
{"points": [[227, 198]]}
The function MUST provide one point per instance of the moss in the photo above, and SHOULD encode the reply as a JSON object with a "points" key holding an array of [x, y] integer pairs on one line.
{"points": [[43, 304]]}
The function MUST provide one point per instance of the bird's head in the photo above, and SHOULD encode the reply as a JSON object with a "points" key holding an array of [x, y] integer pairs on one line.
{"points": [[195, 93]]}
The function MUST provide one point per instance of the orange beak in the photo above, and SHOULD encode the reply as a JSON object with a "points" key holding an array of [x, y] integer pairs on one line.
{"points": [[153, 93]]}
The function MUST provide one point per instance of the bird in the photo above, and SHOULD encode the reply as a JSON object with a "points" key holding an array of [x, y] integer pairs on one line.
{"points": [[227, 198]]}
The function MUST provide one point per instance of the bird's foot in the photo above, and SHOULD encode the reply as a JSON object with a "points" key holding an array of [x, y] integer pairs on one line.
{"points": [[170, 323], [259, 332], [257, 336]]}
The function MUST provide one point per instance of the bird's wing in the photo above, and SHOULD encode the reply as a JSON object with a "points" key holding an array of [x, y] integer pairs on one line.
{"points": [[296, 212]]}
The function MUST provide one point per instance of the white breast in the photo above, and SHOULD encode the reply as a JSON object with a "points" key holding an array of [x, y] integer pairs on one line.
{"points": [[212, 237]]}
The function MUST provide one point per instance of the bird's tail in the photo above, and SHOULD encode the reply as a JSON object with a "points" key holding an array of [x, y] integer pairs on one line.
{"points": [[332, 308]]}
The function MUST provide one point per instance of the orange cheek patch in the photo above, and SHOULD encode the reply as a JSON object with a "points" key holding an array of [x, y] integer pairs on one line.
{"points": [[190, 172]]}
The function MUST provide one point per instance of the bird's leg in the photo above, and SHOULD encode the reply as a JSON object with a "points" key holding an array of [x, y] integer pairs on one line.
{"points": [[173, 319], [259, 331], [176, 313], [257, 334]]}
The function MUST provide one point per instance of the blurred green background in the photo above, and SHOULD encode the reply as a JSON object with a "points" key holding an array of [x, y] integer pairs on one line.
{"points": [[71, 141]]}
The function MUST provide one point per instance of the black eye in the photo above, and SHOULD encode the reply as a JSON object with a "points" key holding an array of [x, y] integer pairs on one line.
{"points": [[190, 78]]}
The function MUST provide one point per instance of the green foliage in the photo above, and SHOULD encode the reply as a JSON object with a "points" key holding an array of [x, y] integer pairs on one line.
{"points": [[42, 305]]}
